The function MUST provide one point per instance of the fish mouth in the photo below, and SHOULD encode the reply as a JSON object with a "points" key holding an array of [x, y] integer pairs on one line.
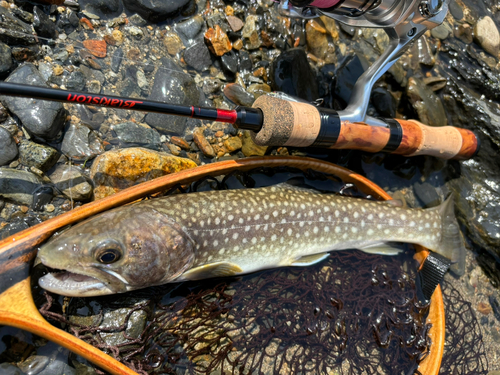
{"points": [[80, 283]]}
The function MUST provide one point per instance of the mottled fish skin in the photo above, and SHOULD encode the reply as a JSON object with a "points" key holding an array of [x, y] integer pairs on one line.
{"points": [[232, 232]]}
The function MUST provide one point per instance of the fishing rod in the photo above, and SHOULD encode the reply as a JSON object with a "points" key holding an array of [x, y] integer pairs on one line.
{"points": [[278, 122]]}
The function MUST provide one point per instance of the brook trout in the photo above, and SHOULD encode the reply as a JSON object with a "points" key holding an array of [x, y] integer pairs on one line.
{"points": [[233, 232]]}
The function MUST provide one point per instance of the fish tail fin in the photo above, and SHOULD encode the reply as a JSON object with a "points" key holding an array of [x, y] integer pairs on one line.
{"points": [[452, 244]]}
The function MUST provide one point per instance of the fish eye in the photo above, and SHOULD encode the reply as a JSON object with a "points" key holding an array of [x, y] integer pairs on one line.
{"points": [[108, 252]]}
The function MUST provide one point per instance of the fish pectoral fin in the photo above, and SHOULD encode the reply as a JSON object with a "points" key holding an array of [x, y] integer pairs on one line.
{"points": [[309, 260], [219, 269], [383, 248]]}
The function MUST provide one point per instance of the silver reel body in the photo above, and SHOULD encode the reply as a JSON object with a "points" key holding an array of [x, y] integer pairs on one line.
{"points": [[404, 21]]}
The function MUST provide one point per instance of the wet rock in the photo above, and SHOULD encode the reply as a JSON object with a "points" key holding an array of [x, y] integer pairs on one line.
{"points": [[18, 186], [8, 147], [71, 182], [98, 48], [172, 85], [426, 194], [320, 42], [464, 33], [245, 61], [13, 30], [155, 10], [80, 143], [131, 134], [42, 197], [203, 143], [250, 33], [217, 41], [8, 369], [32, 154], [190, 28], [487, 36], [229, 62], [180, 142], [116, 60], [428, 105], [235, 23], [43, 119], [456, 10], [102, 7], [292, 74], [34, 364], [198, 56], [258, 89], [384, 102], [5, 58], [233, 144], [422, 51], [344, 79], [442, 31], [435, 83], [116, 170], [238, 95], [56, 367], [173, 43], [249, 148], [43, 24]]}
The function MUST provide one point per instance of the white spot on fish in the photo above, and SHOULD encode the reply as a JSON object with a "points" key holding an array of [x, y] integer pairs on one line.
{"points": [[326, 229], [289, 231], [254, 240], [230, 217], [370, 217], [275, 213], [247, 228], [356, 215], [346, 220], [412, 224], [266, 217], [370, 232], [216, 243], [221, 251], [354, 230], [403, 217], [337, 230], [337, 213], [381, 215], [273, 237], [315, 230], [235, 236], [256, 217]]}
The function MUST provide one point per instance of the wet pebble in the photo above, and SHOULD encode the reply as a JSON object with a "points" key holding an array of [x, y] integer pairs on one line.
{"points": [[34, 364], [428, 105], [384, 102], [18, 185], [233, 144], [154, 10], [442, 31], [131, 134], [43, 24], [198, 56], [116, 170], [8, 369], [217, 41], [250, 33], [71, 182], [229, 62], [173, 43], [80, 143], [32, 154], [292, 74], [319, 42], [8, 147], [487, 36], [249, 148], [190, 28], [180, 142], [44, 119], [237, 94], [14, 31], [235, 23], [203, 143], [5, 58]]}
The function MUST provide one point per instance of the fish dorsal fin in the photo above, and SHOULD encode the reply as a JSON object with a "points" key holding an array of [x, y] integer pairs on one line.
{"points": [[309, 260], [218, 269], [383, 248]]}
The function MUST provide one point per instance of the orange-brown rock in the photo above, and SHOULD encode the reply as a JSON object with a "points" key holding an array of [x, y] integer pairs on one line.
{"points": [[116, 170], [203, 143], [96, 47], [484, 308], [178, 141], [217, 41]]}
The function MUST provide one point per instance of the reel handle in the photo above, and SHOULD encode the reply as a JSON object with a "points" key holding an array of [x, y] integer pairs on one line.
{"points": [[299, 124]]}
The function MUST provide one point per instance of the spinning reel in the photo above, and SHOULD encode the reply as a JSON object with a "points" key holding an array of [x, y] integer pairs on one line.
{"points": [[404, 21]]}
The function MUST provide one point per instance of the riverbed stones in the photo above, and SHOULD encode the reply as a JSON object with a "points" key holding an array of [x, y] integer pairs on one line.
{"points": [[70, 181], [249, 148], [8, 147], [426, 103], [14, 31], [18, 185], [217, 41], [114, 171], [198, 56], [43, 119], [5, 58], [238, 95], [80, 143], [155, 10], [202, 143], [172, 85], [131, 134], [43, 25], [36, 155]]}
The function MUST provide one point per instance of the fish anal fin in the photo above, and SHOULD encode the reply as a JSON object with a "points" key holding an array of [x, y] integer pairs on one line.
{"points": [[219, 269], [309, 260], [383, 248]]}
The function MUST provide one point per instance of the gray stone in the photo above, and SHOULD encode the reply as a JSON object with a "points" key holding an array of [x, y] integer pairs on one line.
{"points": [[76, 81], [44, 119], [34, 364], [238, 95], [102, 7], [135, 326], [56, 367], [155, 10], [190, 28], [71, 182], [172, 85], [8, 369], [8, 147], [131, 134], [442, 31], [80, 143], [18, 186], [116, 60], [5, 58], [426, 103], [14, 31], [43, 24], [487, 36], [137, 20], [198, 56], [32, 154]]}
